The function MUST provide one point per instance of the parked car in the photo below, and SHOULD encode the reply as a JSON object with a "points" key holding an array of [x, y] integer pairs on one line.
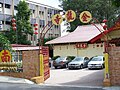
{"points": [[60, 62], [78, 62], [96, 62], [50, 61]]}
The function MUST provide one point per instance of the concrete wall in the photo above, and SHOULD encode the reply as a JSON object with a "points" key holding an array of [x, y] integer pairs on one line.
{"points": [[30, 66], [71, 50], [65, 50], [114, 65]]}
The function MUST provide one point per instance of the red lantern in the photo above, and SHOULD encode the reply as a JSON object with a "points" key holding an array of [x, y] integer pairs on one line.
{"points": [[35, 33], [35, 24], [13, 24], [13, 20], [35, 28], [14, 28]]}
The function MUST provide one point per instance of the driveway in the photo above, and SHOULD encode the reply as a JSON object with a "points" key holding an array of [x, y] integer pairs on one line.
{"points": [[81, 77]]}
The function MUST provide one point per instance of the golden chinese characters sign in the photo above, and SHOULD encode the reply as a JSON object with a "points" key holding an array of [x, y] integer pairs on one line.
{"points": [[8, 64], [70, 16], [5, 56], [57, 19], [85, 17]]}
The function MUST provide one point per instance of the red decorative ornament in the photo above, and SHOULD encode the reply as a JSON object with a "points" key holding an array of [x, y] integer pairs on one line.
{"points": [[106, 31], [35, 33], [105, 27], [36, 28], [105, 20], [14, 28], [35, 24], [81, 45], [14, 24], [84, 45], [13, 20], [77, 45]]}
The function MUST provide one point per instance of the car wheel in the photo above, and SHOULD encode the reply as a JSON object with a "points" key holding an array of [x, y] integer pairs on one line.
{"points": [[66, 65], [55, 67], [81, 66], [102, 66], [89, 68]]}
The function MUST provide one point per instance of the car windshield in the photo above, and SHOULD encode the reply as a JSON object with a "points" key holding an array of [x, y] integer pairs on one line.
{"points": [[59, 59], [78, 59], [96, 59]]}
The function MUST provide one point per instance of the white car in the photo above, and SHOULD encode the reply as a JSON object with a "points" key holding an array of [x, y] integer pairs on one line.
{"points": [[96, 62]]}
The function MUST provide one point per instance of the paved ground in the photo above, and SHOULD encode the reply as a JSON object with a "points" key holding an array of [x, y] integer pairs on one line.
{"points": [[79, 77], [13, 86], [76, 81], [7, 79]]}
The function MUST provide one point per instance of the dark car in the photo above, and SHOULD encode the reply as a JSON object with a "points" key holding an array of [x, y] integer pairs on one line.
{"points": [[60, 62], [78, 62]]}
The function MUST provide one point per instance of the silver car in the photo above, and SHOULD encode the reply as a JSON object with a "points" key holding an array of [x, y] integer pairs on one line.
{"points": [[78, 62], [96, 62]]}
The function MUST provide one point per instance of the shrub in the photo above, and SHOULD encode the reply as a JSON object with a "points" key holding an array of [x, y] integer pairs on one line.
{"points": [[55, 57], [70, 58]]}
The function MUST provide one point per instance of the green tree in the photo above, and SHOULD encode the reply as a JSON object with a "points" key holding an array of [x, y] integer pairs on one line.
{"points": [[116, 3], [11, 35], [100, 9], [4, 43], [23, 25]]}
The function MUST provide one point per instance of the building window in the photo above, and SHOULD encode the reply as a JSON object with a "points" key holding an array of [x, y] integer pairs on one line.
{"points": [[7, 6], [35, 37], [31, 38], [15, 7], [17, 56], [1, 5]]}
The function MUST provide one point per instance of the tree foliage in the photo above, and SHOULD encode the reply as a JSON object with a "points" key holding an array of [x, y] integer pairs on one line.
{"points": [[100, 9], [23, 22], [23, 25], [4, 43], [116, 3]]}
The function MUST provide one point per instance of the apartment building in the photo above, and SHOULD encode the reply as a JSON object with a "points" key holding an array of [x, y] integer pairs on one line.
{"points": [[41, 14]]}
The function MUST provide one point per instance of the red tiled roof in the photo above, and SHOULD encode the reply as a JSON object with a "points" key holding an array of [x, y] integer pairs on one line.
{"points": [[81, 34]]}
